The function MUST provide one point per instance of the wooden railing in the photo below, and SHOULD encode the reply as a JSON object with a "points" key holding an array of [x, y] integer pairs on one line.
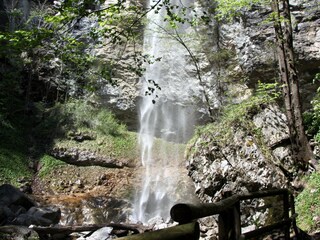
{"points": [[229, 219]]}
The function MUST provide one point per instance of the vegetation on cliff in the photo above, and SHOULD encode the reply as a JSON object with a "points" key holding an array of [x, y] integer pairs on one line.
{"points": [[308, 204], [24, 142]]}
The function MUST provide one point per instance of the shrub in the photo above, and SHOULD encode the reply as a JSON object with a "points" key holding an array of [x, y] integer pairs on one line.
{"points": [[77, 115], [107, 124], [13, 165], [312, 117], [13, 152]]}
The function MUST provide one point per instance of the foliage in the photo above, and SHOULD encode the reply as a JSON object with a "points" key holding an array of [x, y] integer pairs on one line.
{"points": [[266, 93], [13, 166], [13, 154], [312, 117], [48, 52], [308, 204], [228, 9], [76, 115], [48, 163], [124, 147]]}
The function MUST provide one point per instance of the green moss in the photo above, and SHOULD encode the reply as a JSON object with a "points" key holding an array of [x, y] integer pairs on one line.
{"points": [[49, 163], [308, 204]]}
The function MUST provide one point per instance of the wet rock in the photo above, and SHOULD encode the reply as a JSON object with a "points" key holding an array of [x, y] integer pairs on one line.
{"points": [[18, 209], [158, 223], [81, 136], [40, 216], [100, 234], [81, 157], [11, 196], [18, 233]]}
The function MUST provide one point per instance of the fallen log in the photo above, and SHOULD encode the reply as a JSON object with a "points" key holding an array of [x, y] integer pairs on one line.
{"points": [[136, 228], [190, 231]]}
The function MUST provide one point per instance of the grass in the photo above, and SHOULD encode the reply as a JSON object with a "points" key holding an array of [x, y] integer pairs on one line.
{"points": [[48, 163], [13, 155], [119, 147], [13, 166], [108, 136], [308, 205], [52, 127]]}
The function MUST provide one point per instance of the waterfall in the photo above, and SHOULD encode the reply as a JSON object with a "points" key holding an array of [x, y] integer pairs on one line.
{"points": [[170, 118]]}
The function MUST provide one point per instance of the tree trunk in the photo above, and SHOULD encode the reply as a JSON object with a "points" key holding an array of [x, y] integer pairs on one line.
{"points": [[301, 150]]}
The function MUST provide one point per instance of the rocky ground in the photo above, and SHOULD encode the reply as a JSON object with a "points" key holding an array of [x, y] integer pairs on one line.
{"points": [[83, 189]]}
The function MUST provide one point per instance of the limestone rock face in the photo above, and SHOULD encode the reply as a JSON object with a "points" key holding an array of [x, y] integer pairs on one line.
{"points": [[243, 163], [250, 53], [253, 39]]}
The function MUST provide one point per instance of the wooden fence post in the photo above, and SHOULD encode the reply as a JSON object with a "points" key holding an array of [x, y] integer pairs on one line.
{"points": [[286, 207], [229, 223]]}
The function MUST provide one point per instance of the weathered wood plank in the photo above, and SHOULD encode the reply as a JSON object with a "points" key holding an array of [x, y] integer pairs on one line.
{"points": [[137, 228], [184, 212], [190, 231]]}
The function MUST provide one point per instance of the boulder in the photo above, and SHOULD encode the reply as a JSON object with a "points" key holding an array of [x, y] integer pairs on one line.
{"points": [[11, 232], [40, 216], [247, 161], [16, 208], [11, 196], [83, 157]]}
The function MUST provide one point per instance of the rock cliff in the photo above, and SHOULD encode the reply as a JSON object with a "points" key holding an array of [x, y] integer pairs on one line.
{"points": [[255, 155]]}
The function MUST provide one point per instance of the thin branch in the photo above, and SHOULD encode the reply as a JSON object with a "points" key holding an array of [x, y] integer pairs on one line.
{"points": [[194, 59]]}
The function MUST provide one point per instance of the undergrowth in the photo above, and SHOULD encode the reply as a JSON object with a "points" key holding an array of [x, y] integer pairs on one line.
{"points": [[308, 205], [77, 117], [61, 119], [14, 159]]}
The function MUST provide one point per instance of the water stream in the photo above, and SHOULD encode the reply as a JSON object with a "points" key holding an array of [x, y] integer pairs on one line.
{"points": [[165, 123]]}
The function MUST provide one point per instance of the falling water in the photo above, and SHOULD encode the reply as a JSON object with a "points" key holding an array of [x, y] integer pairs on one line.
{"points": [[170, 118]]}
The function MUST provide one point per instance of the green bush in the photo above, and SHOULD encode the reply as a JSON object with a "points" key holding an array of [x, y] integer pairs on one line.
{"points": [[77, 115], [13, 152], [13, 165], [107, 124]]}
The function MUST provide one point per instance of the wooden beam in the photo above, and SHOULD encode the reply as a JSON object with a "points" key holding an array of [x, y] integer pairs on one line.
{"points": [[190, 231], [184, 212], [137, 228]]}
